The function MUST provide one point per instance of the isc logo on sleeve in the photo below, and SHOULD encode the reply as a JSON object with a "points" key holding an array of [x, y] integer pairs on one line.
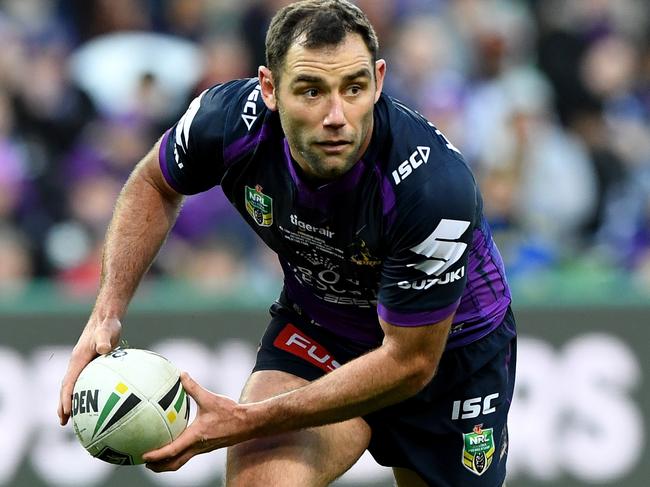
{"points": [[416, 159]]}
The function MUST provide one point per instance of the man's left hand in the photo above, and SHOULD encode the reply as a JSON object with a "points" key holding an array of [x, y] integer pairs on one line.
{"points": [[216, 426]]}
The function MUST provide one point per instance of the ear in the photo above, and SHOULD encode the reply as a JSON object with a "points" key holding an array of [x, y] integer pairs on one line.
{"points": [[268, 88], [380, 74]]}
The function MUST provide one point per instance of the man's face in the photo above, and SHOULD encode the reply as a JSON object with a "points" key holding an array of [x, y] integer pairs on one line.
{"points": [[325, 99]]}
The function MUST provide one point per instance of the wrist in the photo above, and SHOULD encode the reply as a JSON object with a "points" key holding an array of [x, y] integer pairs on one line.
{"points": [[257, 418], [106, 309]]}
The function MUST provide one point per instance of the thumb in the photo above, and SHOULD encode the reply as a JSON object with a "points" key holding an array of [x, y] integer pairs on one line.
{"points": [[102, 341]]}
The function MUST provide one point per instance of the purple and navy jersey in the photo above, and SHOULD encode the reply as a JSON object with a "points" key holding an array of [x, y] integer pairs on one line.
{"points": [[401, 235]]}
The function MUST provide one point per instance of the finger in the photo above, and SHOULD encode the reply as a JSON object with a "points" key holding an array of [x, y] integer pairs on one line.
{"points": [[171, 464], [65, 406], [77, 363], [185, 441], [63, 417], [65, 395]]}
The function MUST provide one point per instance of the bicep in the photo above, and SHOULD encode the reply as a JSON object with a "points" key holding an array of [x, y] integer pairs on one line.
{"points": [[150, 172], [425, 270]]}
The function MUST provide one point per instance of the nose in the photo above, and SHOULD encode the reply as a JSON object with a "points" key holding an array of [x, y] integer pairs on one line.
{"points": [[335, 117]]}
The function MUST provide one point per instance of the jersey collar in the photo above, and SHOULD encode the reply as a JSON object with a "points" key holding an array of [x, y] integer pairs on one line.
{"points": [[321, 196]]}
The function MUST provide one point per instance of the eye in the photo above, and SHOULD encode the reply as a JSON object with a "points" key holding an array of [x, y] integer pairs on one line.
{"points": [[311, 93], [354, 90]]}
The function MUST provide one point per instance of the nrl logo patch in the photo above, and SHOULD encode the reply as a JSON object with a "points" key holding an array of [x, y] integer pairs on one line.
{"points": [[478, 449], [259, 206]]}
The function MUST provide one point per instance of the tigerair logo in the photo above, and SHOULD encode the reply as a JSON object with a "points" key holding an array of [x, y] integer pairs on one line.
{"points": [[308, 227], [416, 159]]}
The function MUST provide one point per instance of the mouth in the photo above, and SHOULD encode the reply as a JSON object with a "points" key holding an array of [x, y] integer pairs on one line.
{"points": [[333, 146]]}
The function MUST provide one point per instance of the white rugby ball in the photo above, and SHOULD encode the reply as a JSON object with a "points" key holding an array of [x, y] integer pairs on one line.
{"points": [[126, 403]]}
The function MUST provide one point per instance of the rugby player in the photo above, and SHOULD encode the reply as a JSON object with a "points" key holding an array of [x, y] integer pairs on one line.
{"points": [[393, 332]]}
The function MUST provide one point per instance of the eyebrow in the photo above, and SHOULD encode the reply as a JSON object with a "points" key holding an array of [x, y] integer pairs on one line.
{"points": [[362, 73], [307, 78]]}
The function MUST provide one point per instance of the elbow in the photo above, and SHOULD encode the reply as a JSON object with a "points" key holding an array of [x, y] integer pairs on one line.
{"points": [[421, 372]]}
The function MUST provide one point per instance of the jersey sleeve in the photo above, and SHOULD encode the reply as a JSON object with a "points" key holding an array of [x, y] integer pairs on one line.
{"points": [[192, 151], [424, 274]]}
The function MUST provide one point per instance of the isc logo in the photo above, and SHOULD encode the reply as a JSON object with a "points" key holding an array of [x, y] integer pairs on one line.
{"points": [[249, 114], [471, 408], [416, 159]]}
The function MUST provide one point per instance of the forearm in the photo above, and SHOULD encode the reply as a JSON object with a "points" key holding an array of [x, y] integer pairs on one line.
{"points": [[404, 363], [370, 382], [141, 221]]}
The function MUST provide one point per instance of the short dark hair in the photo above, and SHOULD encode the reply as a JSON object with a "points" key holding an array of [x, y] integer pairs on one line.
{"points": [[322, 23]]}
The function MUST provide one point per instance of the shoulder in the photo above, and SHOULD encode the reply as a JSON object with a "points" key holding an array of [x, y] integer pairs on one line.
{"points": [[219, 118], [416, 148], [219, 126], [423, 169], [234, 106]]}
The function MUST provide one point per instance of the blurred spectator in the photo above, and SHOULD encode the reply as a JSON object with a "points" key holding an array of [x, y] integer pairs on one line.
{"points": [[50, 111], [185, 18], [74, 256], [225, 58], [255, 21], [424, 73], [549, 101], [92, 18], [151, 104], [609, 169], [538, 182], [15, 262], [12, 164], [114, 69]]}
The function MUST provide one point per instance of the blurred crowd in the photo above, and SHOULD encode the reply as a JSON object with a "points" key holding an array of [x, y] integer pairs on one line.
{"points": [[549, 101]]}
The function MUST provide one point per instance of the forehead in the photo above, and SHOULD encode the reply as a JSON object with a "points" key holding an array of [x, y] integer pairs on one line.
{"points": [[349, 56]]}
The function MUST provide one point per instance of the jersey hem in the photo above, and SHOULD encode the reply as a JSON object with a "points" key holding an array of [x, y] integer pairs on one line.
{"points": [[416, 319], [162, 160]]}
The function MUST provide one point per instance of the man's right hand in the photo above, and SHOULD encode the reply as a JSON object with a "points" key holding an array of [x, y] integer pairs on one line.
{"points": [[98, 338]]}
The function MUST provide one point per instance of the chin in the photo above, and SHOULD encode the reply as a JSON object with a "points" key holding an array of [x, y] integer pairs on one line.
{"points": [[337, 169]]}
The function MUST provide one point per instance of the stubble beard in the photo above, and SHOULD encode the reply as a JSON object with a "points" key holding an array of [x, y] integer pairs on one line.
{"points": [[318, 167]]}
